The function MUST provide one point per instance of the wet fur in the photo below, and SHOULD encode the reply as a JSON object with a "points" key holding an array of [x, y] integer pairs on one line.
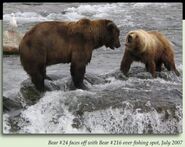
{"points": [[56, 42], [151, 48]]}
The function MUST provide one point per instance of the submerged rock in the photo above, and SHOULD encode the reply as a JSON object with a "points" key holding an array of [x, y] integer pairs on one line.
{"points": [[11, 104]]}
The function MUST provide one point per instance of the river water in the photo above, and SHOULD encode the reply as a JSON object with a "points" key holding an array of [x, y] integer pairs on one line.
{"points": [[114, 104]]}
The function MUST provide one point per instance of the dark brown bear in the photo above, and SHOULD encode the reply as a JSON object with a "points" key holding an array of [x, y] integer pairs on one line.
{"points": [[151, 48], [55, 42]]}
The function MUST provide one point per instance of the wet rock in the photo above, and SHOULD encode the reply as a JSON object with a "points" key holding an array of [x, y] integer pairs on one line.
{"points": [[94, 79], [139, 72], [29, 93], [116, 74], [65, 83], [50, 86], [145, 96], [11, 104], [14, 121], [77, 123]]}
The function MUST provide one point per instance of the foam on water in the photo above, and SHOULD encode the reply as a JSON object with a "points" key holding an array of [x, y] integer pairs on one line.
{"points": [[127, 120], [142, 5], [49, 115], [6, 124], [54, 117], [112, 84], [93, 11], [25, 17], [70, 13], [90, 10], [73, 16]]}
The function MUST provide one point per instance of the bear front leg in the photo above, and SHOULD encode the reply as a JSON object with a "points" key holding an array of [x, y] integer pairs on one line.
{"points": [[79, 60], [170, 65], [152, 68], [126, 62], [78, 67], [77, 73], [146, 66]]}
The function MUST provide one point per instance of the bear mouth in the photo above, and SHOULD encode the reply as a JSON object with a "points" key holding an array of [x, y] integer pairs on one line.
{"points": [[112, 47], [126, 44]]}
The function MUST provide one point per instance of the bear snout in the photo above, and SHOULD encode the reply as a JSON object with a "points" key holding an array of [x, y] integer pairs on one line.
{"points": [[117, 45]]}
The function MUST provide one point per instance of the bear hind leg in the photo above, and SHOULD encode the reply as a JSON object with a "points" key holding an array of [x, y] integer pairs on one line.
{"points": [[38, 81], [158, 66], [171, 66], [38, 76]]}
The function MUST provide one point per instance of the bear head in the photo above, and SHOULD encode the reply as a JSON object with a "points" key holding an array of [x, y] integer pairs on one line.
{"points": [[138, 41], [112, 36]]}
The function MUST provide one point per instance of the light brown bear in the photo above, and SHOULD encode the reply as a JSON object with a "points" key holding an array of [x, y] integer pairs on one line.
{"points": [[151, 48], [55, 42]]}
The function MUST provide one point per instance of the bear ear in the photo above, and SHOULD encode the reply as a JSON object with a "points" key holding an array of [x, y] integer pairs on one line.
{"points": [[110, 25], [130, 36]]}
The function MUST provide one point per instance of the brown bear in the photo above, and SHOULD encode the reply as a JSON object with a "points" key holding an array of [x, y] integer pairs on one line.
{"points": [[149, 47], [54, 42]]}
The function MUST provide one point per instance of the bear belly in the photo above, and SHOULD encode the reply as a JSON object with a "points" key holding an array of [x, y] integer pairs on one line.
{"points": [[58, 57], [136, 57]]}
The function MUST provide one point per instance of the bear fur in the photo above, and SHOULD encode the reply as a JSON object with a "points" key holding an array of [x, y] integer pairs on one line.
{"points": [[149, 47], [54, 42]]}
